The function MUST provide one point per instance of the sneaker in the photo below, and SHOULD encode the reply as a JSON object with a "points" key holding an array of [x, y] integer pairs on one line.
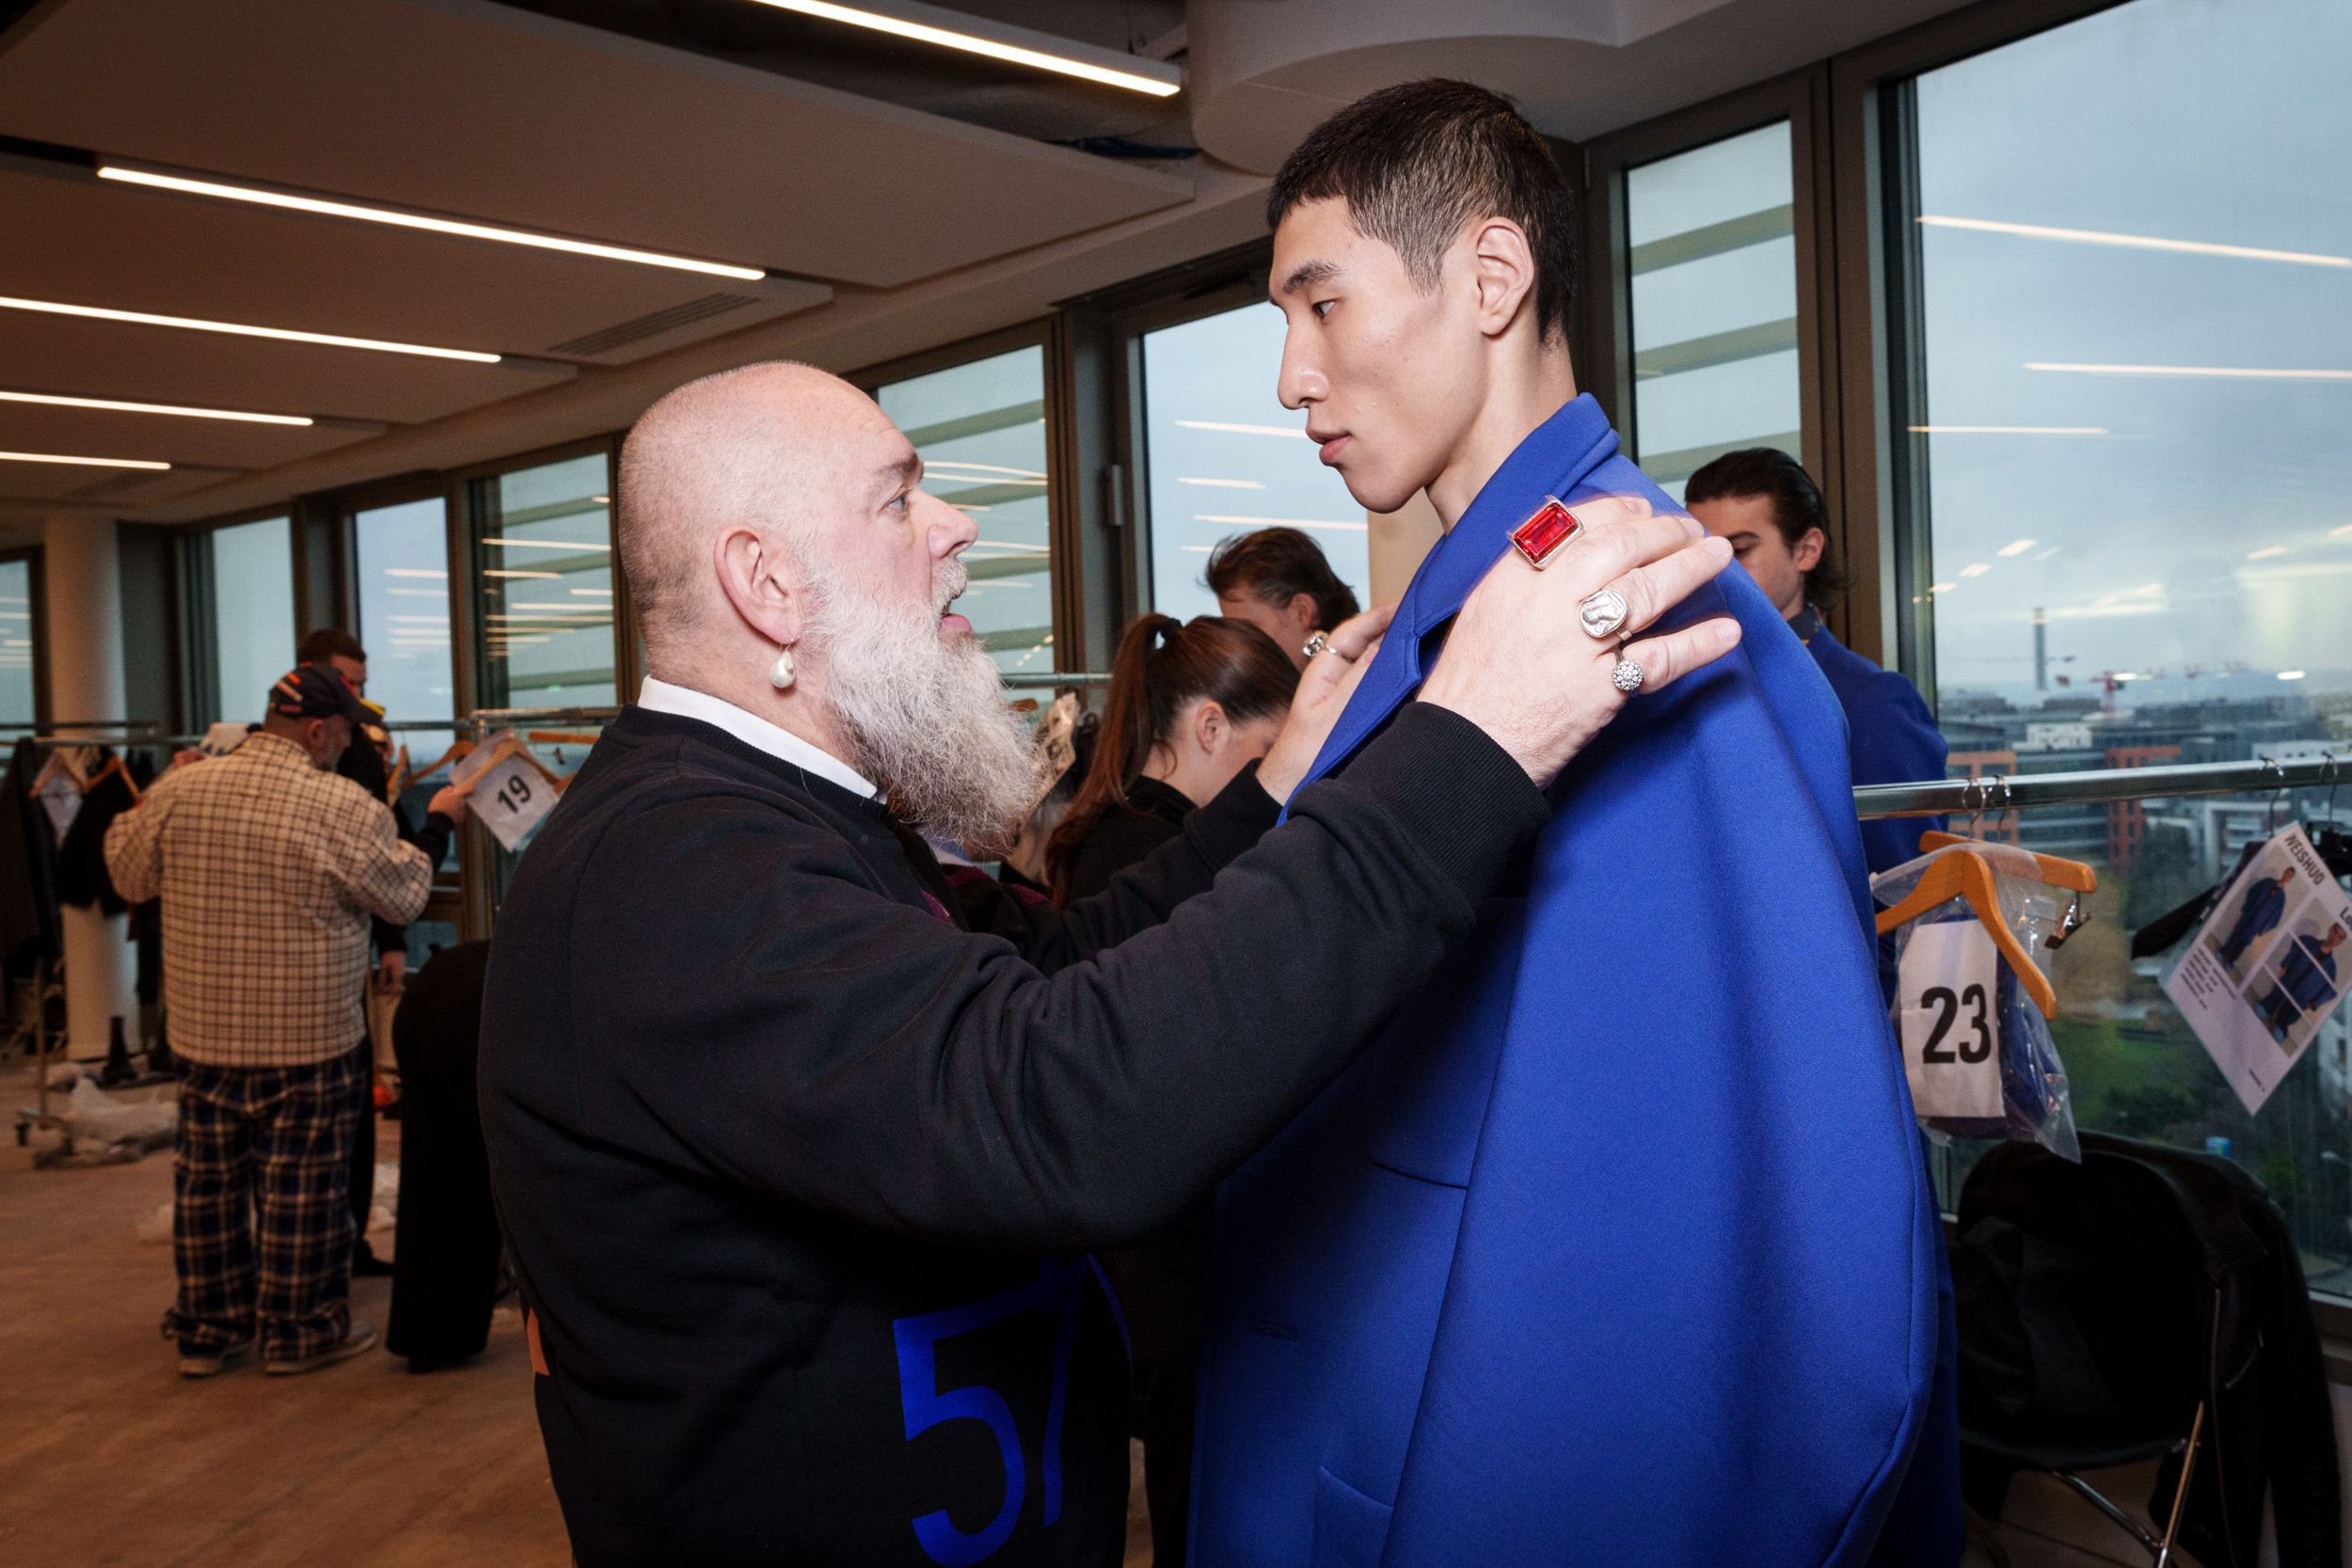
{"points": [[357, 1339], [199, 1362]]}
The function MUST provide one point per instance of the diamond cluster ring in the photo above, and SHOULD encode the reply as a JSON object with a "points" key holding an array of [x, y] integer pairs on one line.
{"points": [[1626, 676]]}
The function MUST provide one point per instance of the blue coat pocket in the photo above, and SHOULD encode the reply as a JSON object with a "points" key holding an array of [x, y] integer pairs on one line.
{"points": [[1350, 1527]]}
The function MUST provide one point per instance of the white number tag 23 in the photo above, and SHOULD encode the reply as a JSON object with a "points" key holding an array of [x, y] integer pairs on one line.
{"points": [[1948, 1005]]}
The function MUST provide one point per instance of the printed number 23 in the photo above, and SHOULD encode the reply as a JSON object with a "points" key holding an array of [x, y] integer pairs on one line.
{"points": [[926, 1407], [1970, 1051], [515, 793]]}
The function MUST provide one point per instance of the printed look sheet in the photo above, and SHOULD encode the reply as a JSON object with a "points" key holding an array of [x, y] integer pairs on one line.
{"points": [[2267, 966]]}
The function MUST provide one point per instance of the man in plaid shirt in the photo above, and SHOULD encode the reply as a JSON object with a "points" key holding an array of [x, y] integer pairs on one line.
{"points": [[270, 869]]}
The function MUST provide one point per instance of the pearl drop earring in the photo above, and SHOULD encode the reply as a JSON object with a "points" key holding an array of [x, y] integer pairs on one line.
{"points": [[780, 675]]}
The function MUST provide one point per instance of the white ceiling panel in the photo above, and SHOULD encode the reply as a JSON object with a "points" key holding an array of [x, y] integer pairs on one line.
{"points": [[162, 437], [89, 243], [162, 364], [465, 107]]}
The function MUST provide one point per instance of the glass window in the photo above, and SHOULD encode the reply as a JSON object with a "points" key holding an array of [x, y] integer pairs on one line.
{"points": [[980, 430], [253, 613], [16, 644], [1228, 458], [403, 617], [2132, 538], [544, 556], [1713, 260]]}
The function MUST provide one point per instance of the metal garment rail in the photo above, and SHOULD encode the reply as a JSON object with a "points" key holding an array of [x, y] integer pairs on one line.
{"points": [[2000, 792]]}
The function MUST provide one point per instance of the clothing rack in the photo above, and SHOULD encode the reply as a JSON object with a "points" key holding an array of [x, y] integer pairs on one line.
{"points": [[2000, 792]]}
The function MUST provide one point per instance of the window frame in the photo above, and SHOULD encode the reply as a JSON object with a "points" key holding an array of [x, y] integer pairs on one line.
{"points": [[1883, 480], [37, 591], [1603, 345], [199, 676], [1068, 558]]}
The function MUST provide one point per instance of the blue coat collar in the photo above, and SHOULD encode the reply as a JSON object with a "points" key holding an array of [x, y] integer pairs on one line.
{"points": [[1552, 461]]}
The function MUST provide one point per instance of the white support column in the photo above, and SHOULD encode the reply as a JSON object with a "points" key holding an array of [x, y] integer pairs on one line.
{"points": [[83, 590]]}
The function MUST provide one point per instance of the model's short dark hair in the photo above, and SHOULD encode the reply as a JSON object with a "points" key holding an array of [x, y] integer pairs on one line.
{"points": [[329, 642], [1276, 565], [1797, 507], [1418, 163]]}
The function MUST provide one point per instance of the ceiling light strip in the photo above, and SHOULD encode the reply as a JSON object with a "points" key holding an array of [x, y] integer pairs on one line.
{"points": [[1164, 83], [82, 462], [55, 401], [2194, 370], [260, 197], [2138, 242], [281, 334]]}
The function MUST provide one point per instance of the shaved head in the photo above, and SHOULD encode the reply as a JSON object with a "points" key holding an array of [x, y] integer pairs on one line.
{"points": [[756, 446], [776, 507]]}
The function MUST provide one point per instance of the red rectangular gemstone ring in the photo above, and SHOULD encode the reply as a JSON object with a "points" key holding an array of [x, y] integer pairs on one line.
{"points": [[1540, 537]]}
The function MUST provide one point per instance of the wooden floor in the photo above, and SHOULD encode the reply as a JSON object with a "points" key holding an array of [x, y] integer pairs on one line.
{"points": [[108, 1455]]}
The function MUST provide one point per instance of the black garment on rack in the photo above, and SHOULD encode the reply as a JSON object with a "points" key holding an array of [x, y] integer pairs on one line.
{"points": [[81, 877], [445, 1256], [29, 925], [363, 765]]}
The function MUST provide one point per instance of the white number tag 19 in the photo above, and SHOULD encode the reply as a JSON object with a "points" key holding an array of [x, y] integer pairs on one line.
{"points": [[511, 798], [1949, 1010]]}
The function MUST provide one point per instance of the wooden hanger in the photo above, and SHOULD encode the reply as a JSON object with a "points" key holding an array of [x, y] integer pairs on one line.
{"points": [[1968, 875], [463, 749], [115, 764], [2072, 874], [57, 764]]}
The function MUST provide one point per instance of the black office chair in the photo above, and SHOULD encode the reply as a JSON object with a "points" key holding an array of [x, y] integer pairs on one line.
{"points": [[2103, 1309]]}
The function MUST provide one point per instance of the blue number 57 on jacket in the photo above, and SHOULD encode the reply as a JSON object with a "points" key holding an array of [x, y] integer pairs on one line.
{"points": [[1618, 1247]]}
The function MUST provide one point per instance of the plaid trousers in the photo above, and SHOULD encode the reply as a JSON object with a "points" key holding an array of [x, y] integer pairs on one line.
{"points": [[261, 1227]]}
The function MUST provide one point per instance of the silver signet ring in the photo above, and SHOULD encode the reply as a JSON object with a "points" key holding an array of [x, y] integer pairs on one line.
{"points": [[1603, 614]]}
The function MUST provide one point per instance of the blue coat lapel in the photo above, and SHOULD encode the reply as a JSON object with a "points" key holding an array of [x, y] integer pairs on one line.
{"points": [[1558, 458]]}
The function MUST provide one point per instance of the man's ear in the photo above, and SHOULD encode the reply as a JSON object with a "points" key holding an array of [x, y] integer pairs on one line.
{"points": [[1808, 554], [1302, 608], [759, 583], [1504, 271]]}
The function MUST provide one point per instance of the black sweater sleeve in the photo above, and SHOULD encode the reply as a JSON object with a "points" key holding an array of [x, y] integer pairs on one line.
{"points": [[1169, 865], [792, 1030]]}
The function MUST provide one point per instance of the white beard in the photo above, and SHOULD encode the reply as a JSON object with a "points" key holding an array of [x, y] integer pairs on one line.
{"points": [[925, 715]]}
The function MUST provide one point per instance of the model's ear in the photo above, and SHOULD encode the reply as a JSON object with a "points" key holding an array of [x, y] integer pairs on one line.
{"points": [[758, 583], [1808, 554], [1504, 269], [1302, 609]]}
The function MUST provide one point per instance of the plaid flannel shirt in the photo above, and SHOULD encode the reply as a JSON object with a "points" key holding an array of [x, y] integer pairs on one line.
{"points": [[269, 871]]}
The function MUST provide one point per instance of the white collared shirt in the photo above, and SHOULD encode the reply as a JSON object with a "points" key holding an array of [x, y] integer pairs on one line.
{"points": [[659, 696]]}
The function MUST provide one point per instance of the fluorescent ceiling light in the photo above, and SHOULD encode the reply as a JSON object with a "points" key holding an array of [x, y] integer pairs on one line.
{"points": [[140, 318], [544, 544], [558, 575], [1977, 569], [1942, 586], [2266, 554], [2290, 674], [2008, 430], [412, 572], [151, 408], [1225, 484], [967, 33], [417, 220], [2194, 370], [1278, 522], [1243, 429], [2139, 242], [80, 461], [2016, 547]]}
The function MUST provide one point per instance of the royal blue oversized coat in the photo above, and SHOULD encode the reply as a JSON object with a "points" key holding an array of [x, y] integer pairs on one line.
{"points": [[1616, 1248]]}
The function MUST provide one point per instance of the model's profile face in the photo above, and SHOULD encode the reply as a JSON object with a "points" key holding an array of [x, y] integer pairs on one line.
{"points": [[1391, 378], [1288, 625]]}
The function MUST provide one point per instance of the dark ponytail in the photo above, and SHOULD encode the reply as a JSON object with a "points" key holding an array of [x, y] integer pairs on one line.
{"points": [[1162, 665]]}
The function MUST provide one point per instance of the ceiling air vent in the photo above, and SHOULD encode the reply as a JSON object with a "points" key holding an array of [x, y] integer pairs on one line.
{"points": [[693, 311]]}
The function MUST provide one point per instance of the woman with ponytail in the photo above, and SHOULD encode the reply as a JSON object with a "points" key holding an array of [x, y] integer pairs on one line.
{"points": [[1190, 706]]}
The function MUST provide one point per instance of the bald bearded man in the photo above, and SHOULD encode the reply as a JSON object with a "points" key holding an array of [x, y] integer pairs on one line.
{"points": [[800, 1149]]}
